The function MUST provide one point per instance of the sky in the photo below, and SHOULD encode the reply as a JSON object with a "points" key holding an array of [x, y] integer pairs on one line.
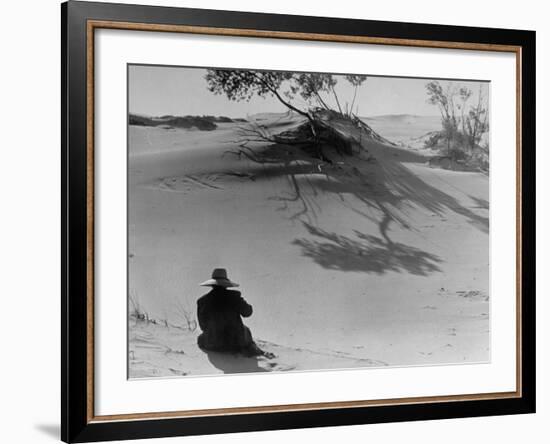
{"points": [[163, 90]]}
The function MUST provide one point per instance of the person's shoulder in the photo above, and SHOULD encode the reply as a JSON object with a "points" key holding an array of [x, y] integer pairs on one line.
{"points": [[234, 293], [204, 297]]}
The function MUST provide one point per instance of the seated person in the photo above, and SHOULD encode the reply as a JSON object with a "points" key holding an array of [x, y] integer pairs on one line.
{"points": [[219, 313]]}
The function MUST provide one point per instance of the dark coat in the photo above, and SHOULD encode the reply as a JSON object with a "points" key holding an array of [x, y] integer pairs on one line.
{"points": [[219, 313]]}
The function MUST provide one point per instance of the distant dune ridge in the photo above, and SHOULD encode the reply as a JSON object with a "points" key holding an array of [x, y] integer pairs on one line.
{"points": [[380, 127], [203, 123], [404, 128], [332, 130]]}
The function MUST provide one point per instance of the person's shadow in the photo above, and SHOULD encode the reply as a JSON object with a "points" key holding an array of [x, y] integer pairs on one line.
{"points": [[234, 362]]}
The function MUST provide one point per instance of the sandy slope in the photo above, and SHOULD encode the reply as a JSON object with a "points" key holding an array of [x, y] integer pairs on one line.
{"points": [[160, 351], [378, 261]]}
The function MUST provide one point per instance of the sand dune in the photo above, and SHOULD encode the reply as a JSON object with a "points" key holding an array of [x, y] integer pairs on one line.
{"points": [[372, 260]]}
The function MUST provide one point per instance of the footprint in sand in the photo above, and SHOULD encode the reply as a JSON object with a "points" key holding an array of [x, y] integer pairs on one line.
{"points": [[177, 372], [205, 182], [188, 183], [473, 295], [277, 367]]}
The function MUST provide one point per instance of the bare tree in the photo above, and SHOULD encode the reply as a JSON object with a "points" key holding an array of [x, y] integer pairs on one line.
{"points": [[287, 87]]}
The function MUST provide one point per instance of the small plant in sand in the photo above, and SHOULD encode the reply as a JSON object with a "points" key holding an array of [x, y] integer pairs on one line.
{"points": [[463, 124], [186, 317], [182, 317], [136, 311]]}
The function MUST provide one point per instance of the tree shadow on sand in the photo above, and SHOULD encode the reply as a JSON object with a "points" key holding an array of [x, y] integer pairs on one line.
{"points": [[370, 254], [480, 203], [377, 177], [383, 183], [374, 183]]}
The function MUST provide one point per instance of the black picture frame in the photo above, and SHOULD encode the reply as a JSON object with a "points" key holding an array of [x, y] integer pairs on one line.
{"points": [[77, 425]]}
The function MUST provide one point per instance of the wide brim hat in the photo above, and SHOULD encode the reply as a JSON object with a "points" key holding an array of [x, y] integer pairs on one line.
{"points": [[219, 278]]}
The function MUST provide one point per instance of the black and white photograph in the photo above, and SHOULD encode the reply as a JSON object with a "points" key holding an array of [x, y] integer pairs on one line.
{"points": [[295, 221], [275, 222]]}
